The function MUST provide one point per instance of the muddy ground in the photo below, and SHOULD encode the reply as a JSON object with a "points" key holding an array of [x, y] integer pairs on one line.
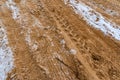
{"points": [[51, 42]]}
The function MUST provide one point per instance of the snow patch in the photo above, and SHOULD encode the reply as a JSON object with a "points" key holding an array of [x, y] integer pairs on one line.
{"points": [[73, 51], [111, 12], [6, 55], [62, 41], [34, 47], [33, 44], [37, 23], [28, 38], [95, 19], [15, 10], [65, 1]]}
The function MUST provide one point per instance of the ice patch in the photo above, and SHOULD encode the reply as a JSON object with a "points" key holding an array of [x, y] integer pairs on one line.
{"points": [[6, 55], [95, 19]]}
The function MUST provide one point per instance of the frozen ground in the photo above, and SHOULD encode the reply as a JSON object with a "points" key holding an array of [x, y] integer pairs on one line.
{"points": [[95, 19], [6, 55]]}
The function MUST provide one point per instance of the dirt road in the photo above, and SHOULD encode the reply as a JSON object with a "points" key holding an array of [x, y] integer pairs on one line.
{"points": [[58, 39]]}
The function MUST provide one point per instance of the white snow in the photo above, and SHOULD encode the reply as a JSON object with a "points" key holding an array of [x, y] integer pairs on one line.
{"points": [[6, 55], [62, 41], [73, 51], [65, 1], [95, 19], [111, 12], [37, 23], [34, 47], [15, 10], [32, 44], [28, 37]]}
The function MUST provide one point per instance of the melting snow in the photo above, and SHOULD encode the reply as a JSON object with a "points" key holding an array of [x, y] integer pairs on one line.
{"points": [[37, 23], [65, 1], [34, 47], [33, 44], [95, 19], [6, 57], [73, 51], [28, 37], [111, 12], [15, 10], [62, 41]]}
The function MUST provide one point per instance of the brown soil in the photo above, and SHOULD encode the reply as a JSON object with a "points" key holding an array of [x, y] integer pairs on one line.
{"points": [[97, 57]]}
